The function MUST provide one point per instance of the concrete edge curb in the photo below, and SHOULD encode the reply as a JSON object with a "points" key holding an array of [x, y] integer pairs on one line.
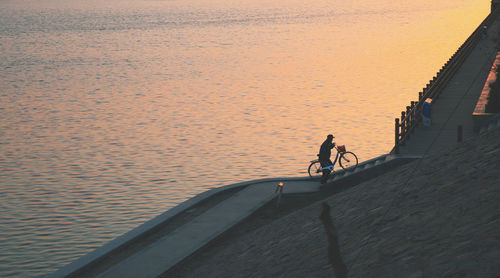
{"points": [[373, 171]]}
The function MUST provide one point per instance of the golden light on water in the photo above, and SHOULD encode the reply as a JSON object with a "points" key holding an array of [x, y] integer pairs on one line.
{"points": [[114, 111]]}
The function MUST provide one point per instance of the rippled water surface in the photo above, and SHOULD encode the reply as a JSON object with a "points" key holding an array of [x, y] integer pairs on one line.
{"points": [[114, 111]]}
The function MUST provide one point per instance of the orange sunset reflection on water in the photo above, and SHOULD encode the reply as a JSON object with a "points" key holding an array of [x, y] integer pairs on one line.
{"points": [[114, 111]]}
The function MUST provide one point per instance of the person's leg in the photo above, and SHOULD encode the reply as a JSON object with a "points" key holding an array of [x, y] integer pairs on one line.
{"points": [[326, 172]]}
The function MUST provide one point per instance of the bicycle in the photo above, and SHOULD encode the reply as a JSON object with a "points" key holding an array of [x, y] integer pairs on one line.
{"points": [[347, 160]]}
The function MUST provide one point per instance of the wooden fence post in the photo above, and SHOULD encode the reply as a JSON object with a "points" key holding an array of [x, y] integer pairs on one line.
{"points": [[413, 119], [403, 128], [408, 122], [396, 145]]}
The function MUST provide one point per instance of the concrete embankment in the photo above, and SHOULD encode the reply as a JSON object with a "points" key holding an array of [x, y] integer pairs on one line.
{"points": [[438, 216]]}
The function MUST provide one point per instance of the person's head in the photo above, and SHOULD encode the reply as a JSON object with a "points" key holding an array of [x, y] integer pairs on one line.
{"points": [[329, 137]]}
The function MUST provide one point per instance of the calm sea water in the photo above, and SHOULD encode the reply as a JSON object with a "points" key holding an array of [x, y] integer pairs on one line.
{"points": [[114, 111]]}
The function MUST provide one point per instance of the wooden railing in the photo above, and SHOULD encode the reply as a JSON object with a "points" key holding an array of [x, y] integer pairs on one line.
{"points": [[411, 117]]}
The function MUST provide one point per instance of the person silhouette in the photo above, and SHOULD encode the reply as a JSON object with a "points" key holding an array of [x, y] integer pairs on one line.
{"points": [[325, 151]]}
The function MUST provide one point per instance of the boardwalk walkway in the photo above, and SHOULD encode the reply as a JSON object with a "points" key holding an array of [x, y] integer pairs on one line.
{"points": [[457, 101]]}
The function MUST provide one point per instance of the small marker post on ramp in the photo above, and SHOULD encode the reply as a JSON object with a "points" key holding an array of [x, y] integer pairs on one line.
{"points": [[279, 191]]}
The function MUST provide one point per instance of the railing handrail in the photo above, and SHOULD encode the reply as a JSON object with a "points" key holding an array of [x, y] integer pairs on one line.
{"points": [[411, 117]]}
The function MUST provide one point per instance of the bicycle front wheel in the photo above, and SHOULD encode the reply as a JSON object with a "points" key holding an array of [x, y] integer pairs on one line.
{"points": [[349, 161], [315, 169]]}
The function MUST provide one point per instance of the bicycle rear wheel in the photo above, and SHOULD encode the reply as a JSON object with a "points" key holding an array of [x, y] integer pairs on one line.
{"points": [[348, 160], [314, 169]]}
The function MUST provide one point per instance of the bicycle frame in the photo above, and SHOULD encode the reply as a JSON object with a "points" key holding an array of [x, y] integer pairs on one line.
{"points": [[347, 160], [330, 167]]}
